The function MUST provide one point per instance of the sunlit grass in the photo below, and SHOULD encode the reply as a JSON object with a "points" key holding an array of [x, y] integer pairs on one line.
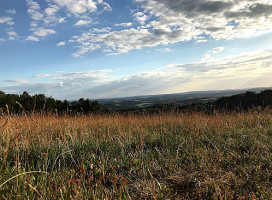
{"points": [[166, 156]]}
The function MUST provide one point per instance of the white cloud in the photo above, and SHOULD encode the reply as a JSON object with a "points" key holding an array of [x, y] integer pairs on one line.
{"points": [[34, 11], [52, 17], [43, 75], [140, 17], [200, 39], [32, 38], [83, 23], [218, 19], [252, 69], [39, 18], [12, 33], [99, 76], [218, 50], [213, 51], [103, 30], [124, 24], [43, 19], [61, 20], [42, 32], [13, 11], [61, 44], [51, 10], [19, 81], [206, 56], [6, 20], [79, 7], [105, 5], [164, 50], [112, 42], [165, 22], [123, 41], [11, 38]]}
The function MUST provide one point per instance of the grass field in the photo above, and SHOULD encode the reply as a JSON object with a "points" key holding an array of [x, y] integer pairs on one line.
{"points": [[166, 156]]}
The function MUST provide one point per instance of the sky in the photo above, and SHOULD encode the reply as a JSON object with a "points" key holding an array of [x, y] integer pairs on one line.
{"points": [[70, 49]]}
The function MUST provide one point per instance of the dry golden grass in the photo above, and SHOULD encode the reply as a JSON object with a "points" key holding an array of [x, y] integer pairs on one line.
{"points": [[166, 156]]}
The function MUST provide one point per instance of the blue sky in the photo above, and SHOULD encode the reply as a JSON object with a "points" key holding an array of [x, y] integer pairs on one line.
{"points": [[97, 48]]}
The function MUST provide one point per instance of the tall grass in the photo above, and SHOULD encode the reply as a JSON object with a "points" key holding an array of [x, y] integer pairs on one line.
{"points": [[166, 156]]}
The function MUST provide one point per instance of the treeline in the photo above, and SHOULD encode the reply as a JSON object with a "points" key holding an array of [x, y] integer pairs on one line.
{"points": [[40, 103], [245, 101], [237, 103]]}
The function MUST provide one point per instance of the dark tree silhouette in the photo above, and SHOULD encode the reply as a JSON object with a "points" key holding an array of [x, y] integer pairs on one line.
{"points": [[40, 103]]}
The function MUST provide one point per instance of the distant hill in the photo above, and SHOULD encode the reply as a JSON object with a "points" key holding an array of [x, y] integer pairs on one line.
{"points": [[245, 101], [206, 101], [241, 102], [177, 99]]}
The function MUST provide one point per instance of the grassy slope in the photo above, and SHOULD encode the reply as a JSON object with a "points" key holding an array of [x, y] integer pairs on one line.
{"points": [[167, 156]]}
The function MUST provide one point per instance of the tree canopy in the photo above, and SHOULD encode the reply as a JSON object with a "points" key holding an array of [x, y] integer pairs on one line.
{"points": [[27, 103]]}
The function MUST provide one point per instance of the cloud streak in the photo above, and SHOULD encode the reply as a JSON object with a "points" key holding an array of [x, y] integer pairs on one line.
{"points": [[214, 51], [83, 22], [11, 12], [234, 72], [124, 24], [61, 44]]}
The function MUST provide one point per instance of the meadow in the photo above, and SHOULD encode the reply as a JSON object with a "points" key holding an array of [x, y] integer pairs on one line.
{"points": [[123, 156]]}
